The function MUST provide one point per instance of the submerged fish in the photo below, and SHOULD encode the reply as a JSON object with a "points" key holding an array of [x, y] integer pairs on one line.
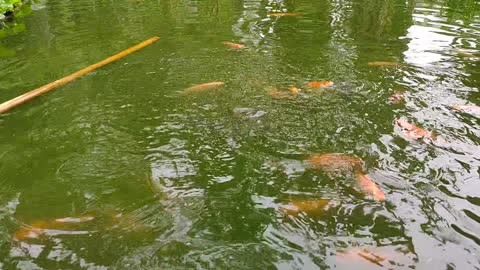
{"points": [[368, 187], [277, 94], [33, 233], [203, 87], [312, 206], [470, 109], [283, 14], [27, 233], [294, 90], [342, 163], [413, 132], [319, 84], [74, 219], [354, 255], [384, 64], [248, 113], [40, 228], [234, 45], [396, 98], [335, 162], [467, 54]]}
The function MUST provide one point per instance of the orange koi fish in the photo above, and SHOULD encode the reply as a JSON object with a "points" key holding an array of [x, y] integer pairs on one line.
{"points": [[294, 90], [470, 109], [308, 206], [369, 187], [396, 98], [335, 162], [413, 132], [347, 163], [27, 233], [319, 84], [283, 14], [234, 45], [199, 88], [383, 64]]}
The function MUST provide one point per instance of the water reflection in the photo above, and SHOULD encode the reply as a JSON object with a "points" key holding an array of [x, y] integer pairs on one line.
{"points": [[218, 179]]}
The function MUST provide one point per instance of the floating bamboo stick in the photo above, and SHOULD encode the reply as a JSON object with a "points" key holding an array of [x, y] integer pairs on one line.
{"points": [[46, 88]]}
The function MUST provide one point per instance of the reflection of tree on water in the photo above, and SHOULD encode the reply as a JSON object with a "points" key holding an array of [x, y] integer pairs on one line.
{"points": [[245, 27], [377, 25], [461, 9]]}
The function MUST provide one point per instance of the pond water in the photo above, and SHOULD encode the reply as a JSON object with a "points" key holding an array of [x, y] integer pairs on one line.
{"points": [[153, 178]]}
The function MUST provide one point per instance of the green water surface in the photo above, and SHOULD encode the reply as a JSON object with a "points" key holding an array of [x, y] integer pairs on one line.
{"points": [[198, 181]]}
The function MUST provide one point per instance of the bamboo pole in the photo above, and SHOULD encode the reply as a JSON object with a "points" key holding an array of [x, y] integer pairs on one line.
{"points": [[51, 86]]}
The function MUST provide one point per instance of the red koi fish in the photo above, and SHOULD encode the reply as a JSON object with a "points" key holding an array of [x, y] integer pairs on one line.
{"points": [[384, 64], [314, 206], [234, 45], [413, 132], [283, 14], [369, 187], [470, 109], [199, 88], [319, 84]]}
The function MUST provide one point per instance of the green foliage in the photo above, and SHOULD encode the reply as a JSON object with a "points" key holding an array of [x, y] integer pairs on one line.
{"points": [[8, 5], [21, 8]]}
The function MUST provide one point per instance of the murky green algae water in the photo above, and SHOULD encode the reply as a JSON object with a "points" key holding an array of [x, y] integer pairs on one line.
{"points": [[198, 181]]}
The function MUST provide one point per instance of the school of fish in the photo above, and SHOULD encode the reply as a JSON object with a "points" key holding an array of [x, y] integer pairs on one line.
{"points": [[333, 164]]}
